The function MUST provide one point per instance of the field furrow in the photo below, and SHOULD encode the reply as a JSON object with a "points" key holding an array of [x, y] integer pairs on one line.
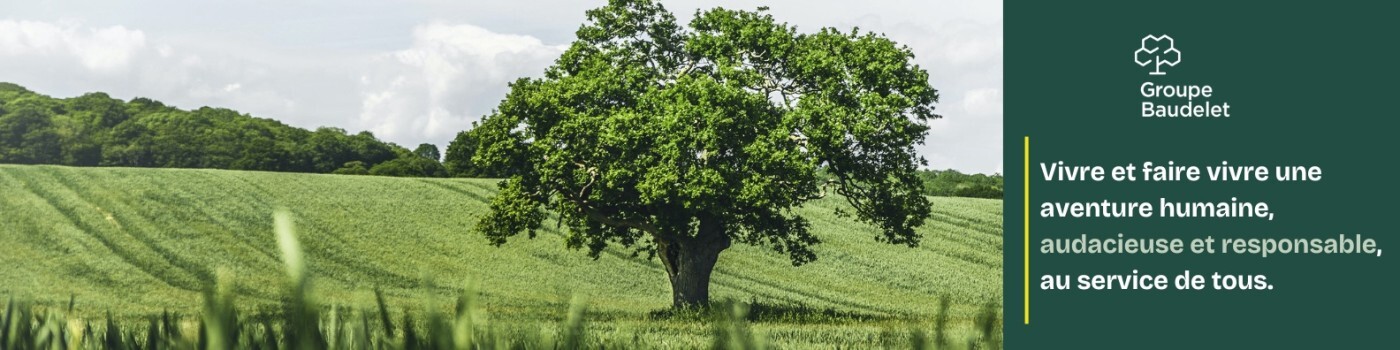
{"points": [[138, 241]]}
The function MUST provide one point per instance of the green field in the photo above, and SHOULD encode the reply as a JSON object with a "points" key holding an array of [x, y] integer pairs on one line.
{"points": [[136, 242]]}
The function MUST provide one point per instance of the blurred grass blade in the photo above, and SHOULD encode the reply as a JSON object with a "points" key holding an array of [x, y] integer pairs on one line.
{"points": [[287, 242]]}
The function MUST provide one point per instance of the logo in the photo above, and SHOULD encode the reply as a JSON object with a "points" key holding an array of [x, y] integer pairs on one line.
{"points": [[1157, 50]]}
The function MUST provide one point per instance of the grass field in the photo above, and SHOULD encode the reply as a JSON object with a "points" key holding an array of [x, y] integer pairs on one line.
{"points": [[136, 242]]}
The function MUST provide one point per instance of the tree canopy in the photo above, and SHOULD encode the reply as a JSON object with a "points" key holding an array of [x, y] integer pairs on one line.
{"points": [[951, 183], [427, 150], [678, 141], [462, 151], [97, 130]]}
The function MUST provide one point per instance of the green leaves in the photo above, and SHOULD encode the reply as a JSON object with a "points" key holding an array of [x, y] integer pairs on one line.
{"points": [[643, 127], [96, 130], [512, 211]]}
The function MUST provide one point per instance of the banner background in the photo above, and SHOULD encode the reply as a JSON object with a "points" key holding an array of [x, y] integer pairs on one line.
{"points": [[1307, 84]]}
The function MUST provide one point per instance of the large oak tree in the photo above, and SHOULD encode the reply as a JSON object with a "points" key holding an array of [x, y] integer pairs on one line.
{"points": [[680, 141]]}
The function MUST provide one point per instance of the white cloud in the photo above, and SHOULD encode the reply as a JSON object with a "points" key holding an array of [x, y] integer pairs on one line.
{"points": [[68, 58], [105, 49], [982, 102], [964, 61], [451, 75]]}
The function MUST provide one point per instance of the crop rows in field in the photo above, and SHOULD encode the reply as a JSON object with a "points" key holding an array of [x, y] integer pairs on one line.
{"points": [[139, 241]]}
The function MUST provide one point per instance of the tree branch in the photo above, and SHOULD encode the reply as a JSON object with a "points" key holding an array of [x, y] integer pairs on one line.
{"points": [[598, 216]]}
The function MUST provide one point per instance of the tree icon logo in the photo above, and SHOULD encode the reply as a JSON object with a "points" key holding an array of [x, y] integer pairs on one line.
{"points": [[1157, 50]]}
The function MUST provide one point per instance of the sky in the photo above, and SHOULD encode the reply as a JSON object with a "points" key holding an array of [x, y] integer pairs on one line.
{"points": [[420, 71]]}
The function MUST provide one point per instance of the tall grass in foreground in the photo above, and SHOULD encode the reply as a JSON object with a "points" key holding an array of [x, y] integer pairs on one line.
{"points": [[302, 323]]}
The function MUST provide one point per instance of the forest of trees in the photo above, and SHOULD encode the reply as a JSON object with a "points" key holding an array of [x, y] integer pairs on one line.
{"points": [[951, 183], [459, 157], [97, 130]]}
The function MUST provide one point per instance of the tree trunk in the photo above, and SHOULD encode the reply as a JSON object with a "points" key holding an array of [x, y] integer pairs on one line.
{"points": [[689, 261]]}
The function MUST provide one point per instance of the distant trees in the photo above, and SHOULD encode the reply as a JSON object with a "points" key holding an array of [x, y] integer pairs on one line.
{"points": [[27, 137], [427, 150], [951, 183], [97, 130], [460, 152], [352, 168], [409, 166]]}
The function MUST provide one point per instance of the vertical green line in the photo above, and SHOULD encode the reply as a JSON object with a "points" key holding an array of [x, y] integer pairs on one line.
{"points": [[1026, 215]]}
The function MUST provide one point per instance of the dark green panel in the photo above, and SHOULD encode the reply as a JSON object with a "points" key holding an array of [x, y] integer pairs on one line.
{"points": [[1308, 84]]}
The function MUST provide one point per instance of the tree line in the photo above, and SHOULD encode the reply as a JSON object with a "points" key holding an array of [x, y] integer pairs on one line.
{"points": [[951, 183], [97, 130]]}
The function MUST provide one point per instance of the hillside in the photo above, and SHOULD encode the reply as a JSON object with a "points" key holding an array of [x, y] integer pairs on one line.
{"points": [[139, 241]]}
